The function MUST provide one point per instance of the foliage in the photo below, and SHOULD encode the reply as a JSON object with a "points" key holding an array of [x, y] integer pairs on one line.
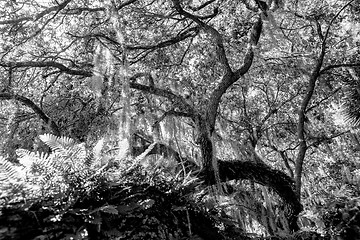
{"points": [[258, 99], [352, 101], [342, 218], [127, 200], [67, 171], [131, 204]]}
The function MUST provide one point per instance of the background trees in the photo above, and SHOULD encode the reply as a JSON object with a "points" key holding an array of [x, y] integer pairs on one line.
{"points": [[244, 90]]}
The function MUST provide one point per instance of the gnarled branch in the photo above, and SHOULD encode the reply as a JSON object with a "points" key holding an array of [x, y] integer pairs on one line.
{"points": [[53, 64], [37, 16], [258, 172], [27, 102], [262, 174], [218, 40], [178, 101]]}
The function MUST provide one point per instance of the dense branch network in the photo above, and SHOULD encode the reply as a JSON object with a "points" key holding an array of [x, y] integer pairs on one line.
{"points": [[45, 64], [315, 74], [229, 76], [27, 102], [231, 170], [205, 116], [37, 16]]}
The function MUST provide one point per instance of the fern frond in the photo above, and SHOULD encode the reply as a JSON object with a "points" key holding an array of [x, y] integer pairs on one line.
{"points": [[68, 165], [11, 181], [8, 171], [94, 157], [351, 104], [28, 158], [89, 159], [23, 153], [55, 142], [67, 152], [74, 155]]}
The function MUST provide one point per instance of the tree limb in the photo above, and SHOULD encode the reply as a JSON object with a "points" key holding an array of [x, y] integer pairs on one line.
{"points": [[53, 64], [217, 38], [330, 67], [334, 18], [191, 32], [206, 123], [305, 102], [178, 101], [37, 16], [166, 152], [262, 174], [301, 119], [73, 11], [284, 157], [258, 172], [202, 5], [27, 102], [230, 77]]}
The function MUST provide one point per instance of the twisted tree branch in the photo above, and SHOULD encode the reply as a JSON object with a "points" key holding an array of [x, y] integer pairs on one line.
{"points": [[37, 16], [27, 102], [52, 64], [258, 172]]}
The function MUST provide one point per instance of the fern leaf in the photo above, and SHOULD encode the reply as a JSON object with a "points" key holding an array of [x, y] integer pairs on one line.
{"points": [[24, 157], [28, 158], [56, 143], [89, 159], [351, 104], [8, 171], [109, 209], [74, 155], [10, 178], [80, 152], [22, 152], [67, 154], [68, 163]]}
